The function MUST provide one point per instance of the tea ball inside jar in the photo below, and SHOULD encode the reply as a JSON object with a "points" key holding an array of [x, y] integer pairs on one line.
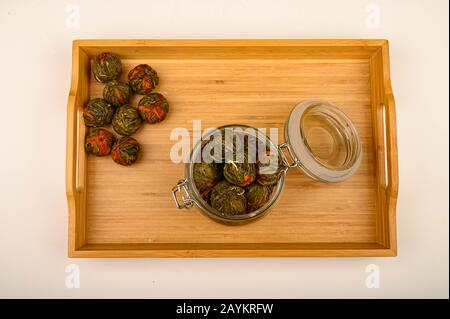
{"points": [[269, 168], [228, 199], [240, 174], [257, 195], [206, 176]]}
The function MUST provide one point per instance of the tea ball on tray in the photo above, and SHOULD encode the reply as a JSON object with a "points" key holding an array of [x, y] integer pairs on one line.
{"points": [[126, 120], [117, 93], [106, 67], [97, 113], [99, 142], [153, 108], [143, 79], [126, 151]]}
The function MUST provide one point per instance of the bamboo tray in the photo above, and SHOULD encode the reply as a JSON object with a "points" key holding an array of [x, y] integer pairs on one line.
{"points": [[119, 211]]}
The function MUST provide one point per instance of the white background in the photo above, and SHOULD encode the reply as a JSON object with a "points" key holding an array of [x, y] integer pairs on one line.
{"points": [[35, 61]]}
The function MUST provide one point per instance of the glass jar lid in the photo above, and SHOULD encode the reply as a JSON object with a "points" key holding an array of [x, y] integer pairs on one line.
{"points": [[323, 141]]}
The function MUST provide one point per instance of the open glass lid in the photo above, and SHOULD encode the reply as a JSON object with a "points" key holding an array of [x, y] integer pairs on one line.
{"points": [[322, 141]]}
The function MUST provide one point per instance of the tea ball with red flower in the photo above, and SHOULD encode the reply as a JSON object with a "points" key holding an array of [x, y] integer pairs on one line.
{"points": [[99, 142], [117, 93], [106, 67], [269, 168], [126, 151], [97, 113], [143, 79], [153, 108]]}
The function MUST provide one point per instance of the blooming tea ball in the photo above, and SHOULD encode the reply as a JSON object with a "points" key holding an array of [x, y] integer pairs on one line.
{"points": [[143, 79], [228, 199], [126, 120], [106, 67], [257, 195], [98, 112], [153, 108], [206, 176], [219, 147], [99, 142], [269, 168], [125, 152], [240, 174], [117, 93]]}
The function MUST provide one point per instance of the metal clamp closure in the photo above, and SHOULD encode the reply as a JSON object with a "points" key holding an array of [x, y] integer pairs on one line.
{"points": [[290, 161], [186, 200]]}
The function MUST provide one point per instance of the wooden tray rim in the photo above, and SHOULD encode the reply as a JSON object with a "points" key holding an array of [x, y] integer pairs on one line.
{"points": [[78, 249]]}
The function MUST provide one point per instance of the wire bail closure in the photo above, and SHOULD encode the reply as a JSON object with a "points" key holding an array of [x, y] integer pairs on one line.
{"points": [[290, 161], [186, 200]]}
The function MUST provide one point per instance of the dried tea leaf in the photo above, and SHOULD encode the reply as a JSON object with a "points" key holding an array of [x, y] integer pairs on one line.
{"points": [[228, 199], [257, 195], [143, 79], [126, 120], [206, 176], [126, 151], [97, 113], [269, 168], [106, 67], [153, 108], [99, 142], [117, 93]]}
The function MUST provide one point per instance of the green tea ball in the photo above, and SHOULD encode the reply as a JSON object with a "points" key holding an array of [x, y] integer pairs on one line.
{"points": [[269, 168], [228, 199], [206, 176], [99, 142], [257, 195], [143, 79], [153, 108], [240, 174], [212, 150], [117, 93], [106, 67], [97, 113], [126, 151], [126, 120]]}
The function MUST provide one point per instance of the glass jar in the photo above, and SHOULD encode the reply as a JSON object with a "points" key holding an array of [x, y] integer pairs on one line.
{"points": [[320, 140]]}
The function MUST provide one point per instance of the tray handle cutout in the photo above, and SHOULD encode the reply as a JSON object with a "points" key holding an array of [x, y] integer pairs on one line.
{"points": [[391, 152], [71, 151]]}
